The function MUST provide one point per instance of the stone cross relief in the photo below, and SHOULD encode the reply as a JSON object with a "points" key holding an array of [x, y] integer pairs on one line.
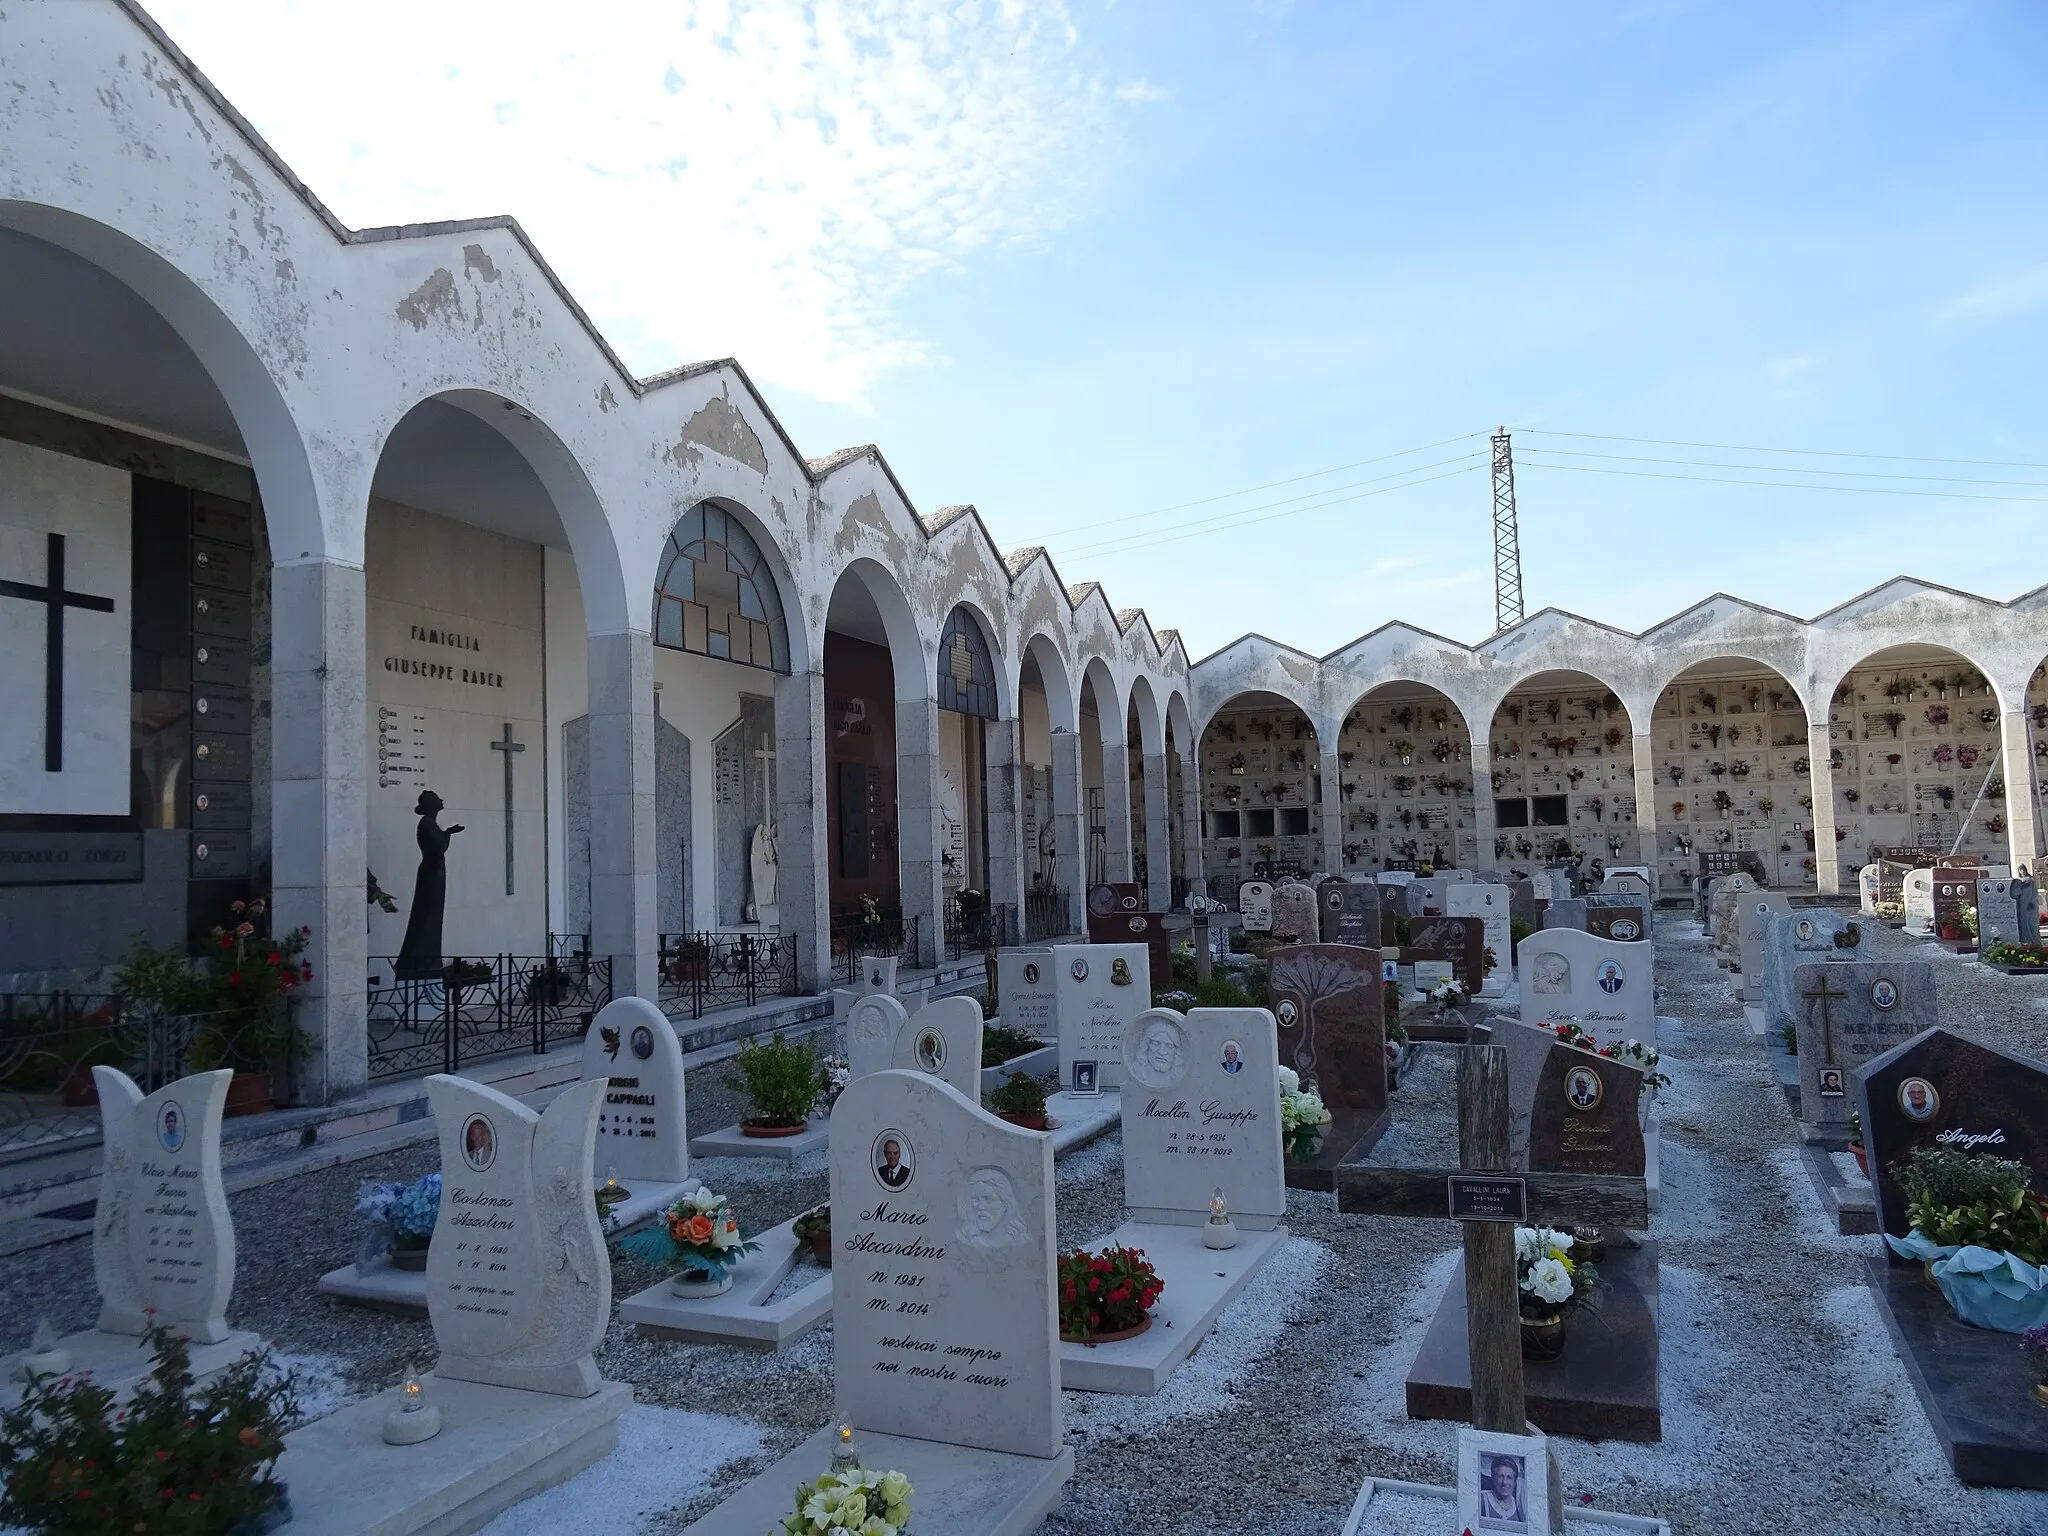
{"points": [[762, 860], [508, 746]]}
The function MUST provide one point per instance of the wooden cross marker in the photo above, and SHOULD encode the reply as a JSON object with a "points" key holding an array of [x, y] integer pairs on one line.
{"points": [[1824, 997], [1490, 1203]]}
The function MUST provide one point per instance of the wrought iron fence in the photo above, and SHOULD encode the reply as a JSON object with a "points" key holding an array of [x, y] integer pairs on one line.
{"points": [[704, 971], [51, 1041], [974, 928], [1047, 910], [568, 946], [479, 1008], [855, 934]]}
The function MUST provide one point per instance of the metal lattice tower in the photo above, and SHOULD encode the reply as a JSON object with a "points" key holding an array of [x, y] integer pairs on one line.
{"points": [[1507, 538]]}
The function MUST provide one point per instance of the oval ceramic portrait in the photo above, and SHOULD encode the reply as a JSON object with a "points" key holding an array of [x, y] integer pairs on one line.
{"points": [[894, 1160], [931, 1050], [479, 1142], [1918, 1099], [1079, 969], [1582, 1088], [170, 1126], [1286, 1011], [1884, 993], [1031, 973]]}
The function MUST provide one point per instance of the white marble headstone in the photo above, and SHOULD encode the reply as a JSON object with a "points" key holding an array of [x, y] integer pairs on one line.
{"points": [[519, 1286], [1102, 987], [1753, 915], [1025, 993], [1201, 1112], [162, 1240], [1489, 903], [877, 975], [641, 1130], [1633, 880], [1606, 985], [1255, 905], [872, 1025], [943, 1040], [1295, 915], [1919, 897], [943, 1318], [1866, 889]]}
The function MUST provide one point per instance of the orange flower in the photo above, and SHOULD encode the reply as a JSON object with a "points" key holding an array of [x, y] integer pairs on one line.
{"points": [[248, 1435], [700, 1228]]}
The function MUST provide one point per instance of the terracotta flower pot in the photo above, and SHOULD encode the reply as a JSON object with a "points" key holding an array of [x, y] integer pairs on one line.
{"points": [[1112, 1337], [248, 1094], [1857, 1151], [1543, 1337], [1029, 1122], [821, 1248], [766, 1131]]}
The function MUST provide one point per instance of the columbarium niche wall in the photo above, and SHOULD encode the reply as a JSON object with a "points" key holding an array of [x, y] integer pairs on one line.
{"points": [[1734, 774], [1261, 795], [1563, 773], [1404, 783]]}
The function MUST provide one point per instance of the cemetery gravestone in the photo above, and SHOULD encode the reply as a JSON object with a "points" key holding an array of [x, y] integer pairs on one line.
{"points": [[1201, 1113], [1850, 1014], [1893, 868], [632, 1048], [1117, 915], [1753, 919], [1625, 925], [1460, 940], [1722, 903], [943, 1040], [943, 1318], [1025, 991], [1603, 984], [1295, 919], [1868, 880], [1571, 1111], [1567, 912], [1328, 1005], [872, 1025], [1350, 911], [1100, 989], [2008, 912], [877, 975], [1939, 1089], [1255, 905], [1489, 904], [1917, 890], [1809, 936], [519, 1286], [1954, 889], [1627, 882]]}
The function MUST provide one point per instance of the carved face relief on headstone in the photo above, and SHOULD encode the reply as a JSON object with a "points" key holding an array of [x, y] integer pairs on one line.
{"points": [[943, 1040], [519, 1287], [1095, 1005], [1939, 1089], [943, 1313], [1327, 1003], [1024, 991], [1550, 975], [1850, 1014], [1604, 984], [872, 1025], [162, 1240], [632, 1047], [1571, 1111], [1255, 905]]}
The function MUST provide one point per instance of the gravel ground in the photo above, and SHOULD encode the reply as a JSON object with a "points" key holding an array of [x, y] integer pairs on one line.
{"points": [[1785, 1408]]}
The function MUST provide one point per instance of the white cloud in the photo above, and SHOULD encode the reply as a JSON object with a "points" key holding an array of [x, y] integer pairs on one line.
{"points": [[1995, 301], [709, 177], [1141, 91], [1784, 369]]}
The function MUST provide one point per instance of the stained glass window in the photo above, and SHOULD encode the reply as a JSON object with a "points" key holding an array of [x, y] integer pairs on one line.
{"points": [[967, 677], [716, 595]]}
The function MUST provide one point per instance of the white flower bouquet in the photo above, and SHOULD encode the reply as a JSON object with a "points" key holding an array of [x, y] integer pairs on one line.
{"points": [[852, 1503], [1547, 1278], [1448, 996], [834, 1073], [1302, 1115]]}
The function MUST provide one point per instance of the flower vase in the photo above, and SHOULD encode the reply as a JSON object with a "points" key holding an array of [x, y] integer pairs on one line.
{"points": [[1543, 1337], [410, 1256], [695, 1285]]}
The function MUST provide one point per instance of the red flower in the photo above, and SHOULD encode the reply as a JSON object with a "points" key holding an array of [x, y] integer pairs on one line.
{"points": [[274, 958]]}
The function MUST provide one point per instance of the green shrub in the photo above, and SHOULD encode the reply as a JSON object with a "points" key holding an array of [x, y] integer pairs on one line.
{"points": [[1184, 968], [781, 1079], [1519, 928], [1021, 1094], [1000, 1043]]}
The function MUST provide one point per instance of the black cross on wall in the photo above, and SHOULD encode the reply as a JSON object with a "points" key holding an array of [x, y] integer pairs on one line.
{"points": [[55, 600]]}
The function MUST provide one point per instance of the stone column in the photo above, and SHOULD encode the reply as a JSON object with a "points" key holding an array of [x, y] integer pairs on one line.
{"points": [[803, 886], [918, 836], [1116, 812], [1191, 828], [1069, 831], [622, 843], [1007, 857], [1827, 864], [1646, 804], [1158, 840], [2019, 785], [1332, 811], [1483, 828], [319, 813]]}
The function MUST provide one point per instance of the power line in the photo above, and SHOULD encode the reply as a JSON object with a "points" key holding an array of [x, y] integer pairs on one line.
{"points": [[1822, 453], [1786, 469], [1786, 485]]}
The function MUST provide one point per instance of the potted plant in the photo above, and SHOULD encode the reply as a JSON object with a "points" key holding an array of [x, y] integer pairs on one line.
{"points": [[1020, 1099], [1980, 1233], [814, 1230], [781, 1078], [1548, 1285], [209, 1450], [849, 1500], [1105, 1296], [701, 1234], [2034, 1344], [1302, 1117], [407, 1212]]}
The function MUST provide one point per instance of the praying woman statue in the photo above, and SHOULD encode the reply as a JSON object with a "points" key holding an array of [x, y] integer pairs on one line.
{"points": [[419, 957]]}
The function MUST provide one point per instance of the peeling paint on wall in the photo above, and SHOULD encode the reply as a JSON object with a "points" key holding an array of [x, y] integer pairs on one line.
{"points": [[719, 427], [478, 260], [436, 296]]}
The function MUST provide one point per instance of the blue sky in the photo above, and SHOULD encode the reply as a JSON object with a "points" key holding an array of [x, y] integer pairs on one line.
{"points": [[1080, 263]]}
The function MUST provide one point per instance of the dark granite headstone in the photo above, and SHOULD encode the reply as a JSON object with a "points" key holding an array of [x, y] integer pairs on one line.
{"points": [[1940, 1089], [1850, 1013], [1117, 915], [1327, 1003], [1522, 902], [1569, 913], [1893, 868], [1627, 924], [1349, 911], [1460, 940], [1570, 1111]]}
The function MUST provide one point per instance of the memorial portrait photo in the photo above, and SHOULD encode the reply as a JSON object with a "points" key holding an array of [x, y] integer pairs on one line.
{"points": [[895, 1162], [479, 1143]]}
